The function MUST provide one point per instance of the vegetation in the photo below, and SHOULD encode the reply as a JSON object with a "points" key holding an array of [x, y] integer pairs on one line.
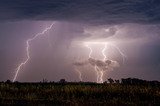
{"points": [[128, 92]]}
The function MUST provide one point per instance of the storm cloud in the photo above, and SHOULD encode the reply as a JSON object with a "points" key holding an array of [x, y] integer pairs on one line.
{"points": [[132, 25], [87, 11], [106, 65]]}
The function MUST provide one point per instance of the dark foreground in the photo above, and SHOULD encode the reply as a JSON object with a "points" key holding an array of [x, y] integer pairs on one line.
{"points": [[80, 94]]}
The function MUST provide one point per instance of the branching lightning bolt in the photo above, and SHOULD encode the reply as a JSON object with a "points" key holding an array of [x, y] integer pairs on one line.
{"points": [[121, 53], [27, 50], [100, 72]]}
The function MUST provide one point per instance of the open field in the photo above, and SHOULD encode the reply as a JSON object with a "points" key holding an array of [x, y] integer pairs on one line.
{"points": [[79, 93]]}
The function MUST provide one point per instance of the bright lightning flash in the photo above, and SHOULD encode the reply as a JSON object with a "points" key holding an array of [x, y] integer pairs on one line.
{"points": [[27, 50], [100, 72], [103, 52]]}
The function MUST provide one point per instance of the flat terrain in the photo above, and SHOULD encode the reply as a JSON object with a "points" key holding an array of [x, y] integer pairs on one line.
{"points": [[79, 94]]}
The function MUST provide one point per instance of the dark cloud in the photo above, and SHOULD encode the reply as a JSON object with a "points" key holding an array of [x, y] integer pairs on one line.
{"points": [[90, 11], [103, 65], [83, 63]]}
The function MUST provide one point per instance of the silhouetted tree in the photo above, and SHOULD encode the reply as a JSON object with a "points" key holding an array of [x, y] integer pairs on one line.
{"points": [[62, 81], [105, 82], [135, 81], [126, 81], [117, 81], [111, 80], [8, 81], [45, 80]]}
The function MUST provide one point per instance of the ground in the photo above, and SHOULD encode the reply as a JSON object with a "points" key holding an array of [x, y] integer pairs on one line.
{"points": [[82, 93]]}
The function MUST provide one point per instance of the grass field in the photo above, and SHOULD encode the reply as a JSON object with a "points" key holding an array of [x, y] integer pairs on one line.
{"points": [[79, 94]]}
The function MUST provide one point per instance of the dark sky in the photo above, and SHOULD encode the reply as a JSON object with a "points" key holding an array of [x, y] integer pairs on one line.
{"points": [[134, 26]]}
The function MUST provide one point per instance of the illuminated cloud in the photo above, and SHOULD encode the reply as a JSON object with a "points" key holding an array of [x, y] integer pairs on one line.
{"points": [[104, 65]]}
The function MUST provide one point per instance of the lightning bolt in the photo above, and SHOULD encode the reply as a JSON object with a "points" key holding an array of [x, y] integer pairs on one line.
{"points": [[27, 50], [121, 53], [90, 53], [100, 72], [80, 75], [101, 76], [96, 69], [103, 52]]}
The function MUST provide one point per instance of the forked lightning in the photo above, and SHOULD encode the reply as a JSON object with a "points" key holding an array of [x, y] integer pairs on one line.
{"points": [[28, 52]]}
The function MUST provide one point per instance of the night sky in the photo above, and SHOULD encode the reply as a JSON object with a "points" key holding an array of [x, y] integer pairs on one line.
{"points": [[132, 25]]}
